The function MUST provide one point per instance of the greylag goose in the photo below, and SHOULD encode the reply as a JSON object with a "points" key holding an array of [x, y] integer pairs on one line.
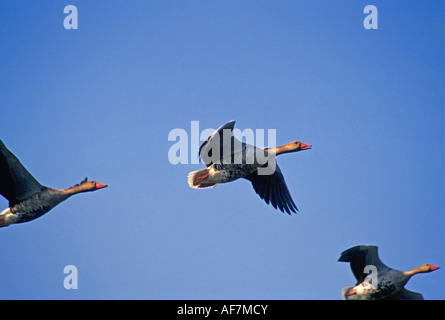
{"points": [[228, 159], [362, 291], [388, 283], [28, 199]]}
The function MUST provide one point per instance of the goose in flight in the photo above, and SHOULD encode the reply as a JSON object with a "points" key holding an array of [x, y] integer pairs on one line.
{"points": [[383, 283], [28, 199], [228, 159]]}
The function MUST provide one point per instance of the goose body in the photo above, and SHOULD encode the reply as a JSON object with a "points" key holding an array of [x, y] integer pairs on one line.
{"points": [[28, 199], [228, 159], [388, 283]]}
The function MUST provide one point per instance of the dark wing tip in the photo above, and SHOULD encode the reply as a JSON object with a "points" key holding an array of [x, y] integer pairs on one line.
{"points": [[220, 131], [273, 190], [405, 294], [353, 252], [359, 257], [16, 182]]}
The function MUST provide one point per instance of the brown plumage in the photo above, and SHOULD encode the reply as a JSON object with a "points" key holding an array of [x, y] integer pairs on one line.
{"points": [[236, 159], [28, 199], [386, 284]]}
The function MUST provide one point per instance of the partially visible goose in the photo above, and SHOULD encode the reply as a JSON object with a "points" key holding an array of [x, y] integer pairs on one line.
{"points": [[362, 291], [28, 199], [228, 159], [390, 282]]}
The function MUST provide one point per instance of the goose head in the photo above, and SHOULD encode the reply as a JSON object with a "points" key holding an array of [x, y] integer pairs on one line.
{"points": [[427, 267], [362, 291], [94, 185], [292, 146], [86, 186]]}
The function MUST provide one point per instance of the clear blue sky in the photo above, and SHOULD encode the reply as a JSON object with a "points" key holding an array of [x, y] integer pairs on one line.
{"points": [[101, 100]]}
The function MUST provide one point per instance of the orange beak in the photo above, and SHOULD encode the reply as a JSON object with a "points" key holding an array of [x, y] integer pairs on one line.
{"points": [[432, 267], [351, 292], [100, 185], [305, 146]]}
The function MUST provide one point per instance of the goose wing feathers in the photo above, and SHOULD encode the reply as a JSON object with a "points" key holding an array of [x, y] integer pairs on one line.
{"points": [[405, 294], [361, 256], [272, 188], [218, 140], [16, 183]]}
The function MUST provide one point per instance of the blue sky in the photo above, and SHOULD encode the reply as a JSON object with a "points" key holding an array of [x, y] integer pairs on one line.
{"points": [[101, 100]]}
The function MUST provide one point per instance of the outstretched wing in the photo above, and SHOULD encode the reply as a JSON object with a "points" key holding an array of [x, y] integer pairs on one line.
{"points": [[16, 183], [273, 189], [405, 294], [220, 141], [361, 256]]}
